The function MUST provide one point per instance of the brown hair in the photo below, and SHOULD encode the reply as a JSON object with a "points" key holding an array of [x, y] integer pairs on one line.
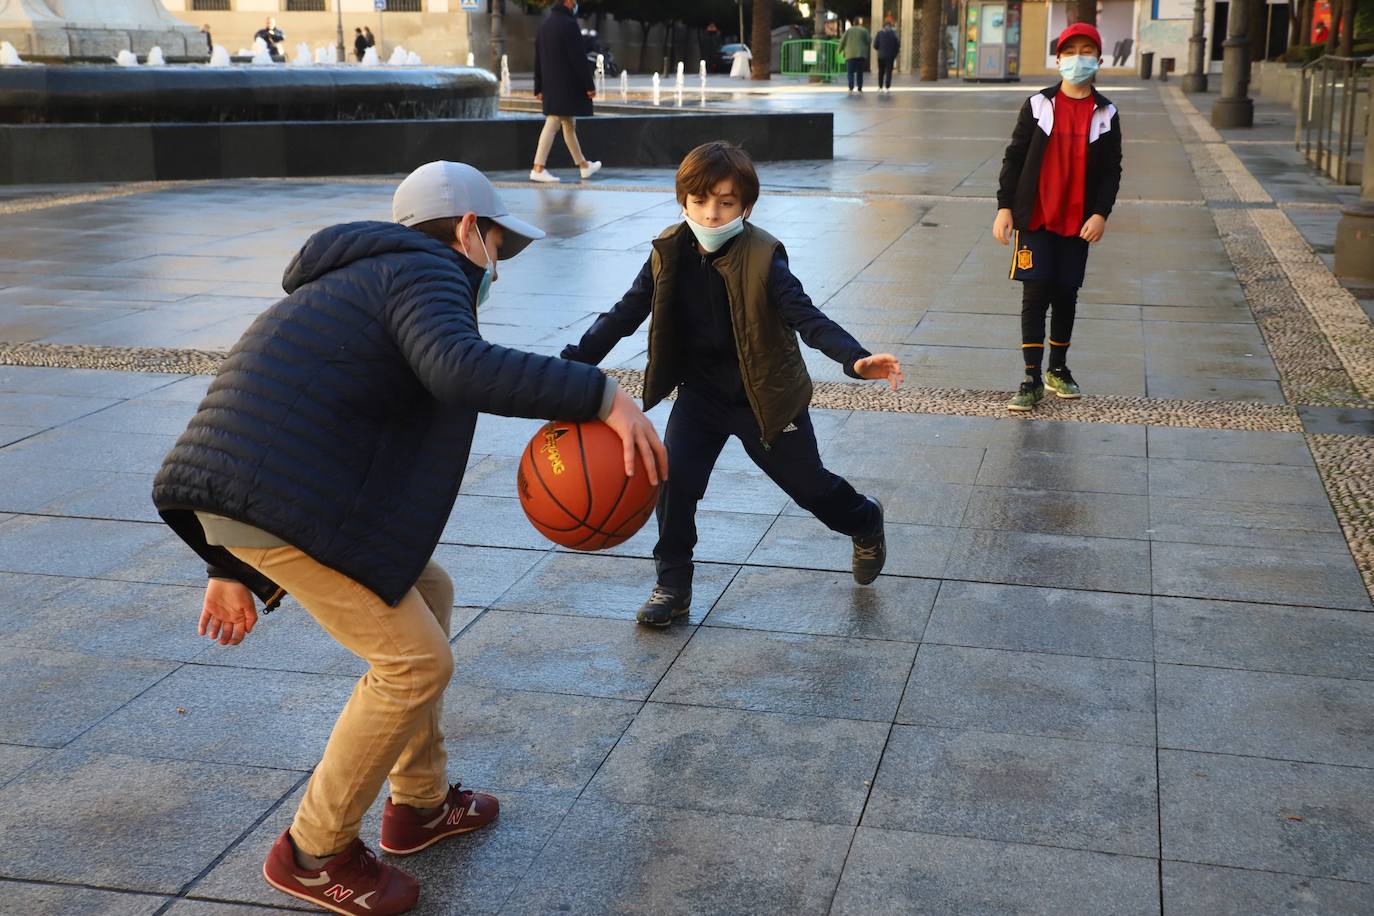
{"points": [[710, 164], [445, 228]]}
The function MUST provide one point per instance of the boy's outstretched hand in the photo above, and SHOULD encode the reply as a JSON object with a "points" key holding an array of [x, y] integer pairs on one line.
{"points": [[229, 613], [880, 366], [638, 436]]}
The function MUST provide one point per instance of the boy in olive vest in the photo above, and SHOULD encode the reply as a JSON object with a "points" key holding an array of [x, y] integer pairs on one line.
{"points": [[725, 311]]}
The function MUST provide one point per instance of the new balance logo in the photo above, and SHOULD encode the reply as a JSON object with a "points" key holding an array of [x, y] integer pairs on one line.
{"points": [[338, 893], [457, 814], [314, 882]]}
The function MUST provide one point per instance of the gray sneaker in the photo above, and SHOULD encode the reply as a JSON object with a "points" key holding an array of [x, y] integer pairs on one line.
{"points": [[870, 551], [663, 606]]}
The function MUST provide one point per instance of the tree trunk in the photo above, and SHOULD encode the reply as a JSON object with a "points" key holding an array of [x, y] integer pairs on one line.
{"points": [[498, 34], [1086, 11], [1259, 30], [1337, 14], [644, 29], [1347, 27], [1309, 11], [931, 13], [761, 68]]}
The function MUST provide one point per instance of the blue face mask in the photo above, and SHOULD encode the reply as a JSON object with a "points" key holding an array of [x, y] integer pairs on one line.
{"points": [[711, 238], [488, 275], [1078, 69]]}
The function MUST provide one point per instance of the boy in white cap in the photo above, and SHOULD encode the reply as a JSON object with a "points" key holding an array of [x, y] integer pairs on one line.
{"points": [[324, 462]]}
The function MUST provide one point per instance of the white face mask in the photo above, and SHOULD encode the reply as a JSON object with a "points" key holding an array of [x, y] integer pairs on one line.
{"points": [[711, 238]]}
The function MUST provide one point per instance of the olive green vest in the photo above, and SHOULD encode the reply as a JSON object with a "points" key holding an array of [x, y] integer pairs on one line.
{"points": [[770, 360]]}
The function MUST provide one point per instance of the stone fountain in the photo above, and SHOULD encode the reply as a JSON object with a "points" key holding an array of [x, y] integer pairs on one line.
{"points": [[67, 30]]}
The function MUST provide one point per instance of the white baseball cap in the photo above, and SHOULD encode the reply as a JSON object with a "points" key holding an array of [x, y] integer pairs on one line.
{"points": [[437, 190]]}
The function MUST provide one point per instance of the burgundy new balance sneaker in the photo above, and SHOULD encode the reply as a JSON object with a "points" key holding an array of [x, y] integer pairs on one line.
{"points": [[405, 830], [353, 883]]}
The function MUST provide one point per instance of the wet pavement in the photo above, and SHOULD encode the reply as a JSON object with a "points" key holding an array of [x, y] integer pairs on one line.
{"points": [[1112, 666]]}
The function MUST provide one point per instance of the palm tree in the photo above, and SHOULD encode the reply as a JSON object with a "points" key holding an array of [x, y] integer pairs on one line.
{"points": [[762, 46]]}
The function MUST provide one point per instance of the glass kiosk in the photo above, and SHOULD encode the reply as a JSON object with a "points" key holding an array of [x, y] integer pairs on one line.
{"points": [[992, 41]]}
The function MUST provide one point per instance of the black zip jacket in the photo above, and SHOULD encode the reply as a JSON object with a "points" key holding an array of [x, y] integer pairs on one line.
{"points": [[342, 420], [1019, 182]]}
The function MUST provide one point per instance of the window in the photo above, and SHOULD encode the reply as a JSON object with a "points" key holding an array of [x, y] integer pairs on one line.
{"points": [[403, 6], [210, 6], [305, 6]]}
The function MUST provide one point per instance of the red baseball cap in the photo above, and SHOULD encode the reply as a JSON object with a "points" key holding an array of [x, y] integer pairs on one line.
{"points": [[1079, 28]]}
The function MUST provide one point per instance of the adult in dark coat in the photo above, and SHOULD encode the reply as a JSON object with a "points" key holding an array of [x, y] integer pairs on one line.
{"points": [[360, 44], [563, 82], [271, 36], [324, 461], [887, 44]]}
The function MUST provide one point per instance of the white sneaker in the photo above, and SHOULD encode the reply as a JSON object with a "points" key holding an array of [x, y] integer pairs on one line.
{"points": [[591, 169], [544, 176]]}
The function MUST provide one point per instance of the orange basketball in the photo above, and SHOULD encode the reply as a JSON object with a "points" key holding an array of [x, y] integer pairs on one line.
{"points": [[573, 487]]}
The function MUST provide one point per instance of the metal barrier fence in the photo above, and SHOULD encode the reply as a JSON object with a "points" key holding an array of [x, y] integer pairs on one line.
{"points": [[1333, 114], [810, 57]]}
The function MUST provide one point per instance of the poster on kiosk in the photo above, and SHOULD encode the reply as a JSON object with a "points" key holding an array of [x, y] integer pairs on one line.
{"points": [[992, 41]]}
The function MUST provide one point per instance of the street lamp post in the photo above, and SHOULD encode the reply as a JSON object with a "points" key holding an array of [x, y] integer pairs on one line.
{"points": [[1235, 108], [338, 13], [1195, 80]]}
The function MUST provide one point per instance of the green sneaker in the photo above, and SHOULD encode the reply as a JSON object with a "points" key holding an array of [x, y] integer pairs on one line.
{"points": [[1027, 396], [1061, 382]]}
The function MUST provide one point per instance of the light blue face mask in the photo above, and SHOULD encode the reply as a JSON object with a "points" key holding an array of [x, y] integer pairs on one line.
{"points": [[488, 275], [711, 238], [1078, 69]]}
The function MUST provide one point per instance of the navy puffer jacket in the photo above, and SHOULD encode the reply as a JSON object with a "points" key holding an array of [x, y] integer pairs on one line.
{"points": [[341, 421]]}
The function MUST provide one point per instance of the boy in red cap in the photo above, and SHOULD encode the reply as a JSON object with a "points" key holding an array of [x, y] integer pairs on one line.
{"points": [[1059, 181]]}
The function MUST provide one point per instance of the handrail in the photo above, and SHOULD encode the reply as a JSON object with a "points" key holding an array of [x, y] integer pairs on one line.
{"points": [[1333, 106]]}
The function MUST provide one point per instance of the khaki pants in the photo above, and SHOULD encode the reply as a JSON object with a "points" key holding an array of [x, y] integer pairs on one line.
{"points": [[550, 131], [389, 729]]}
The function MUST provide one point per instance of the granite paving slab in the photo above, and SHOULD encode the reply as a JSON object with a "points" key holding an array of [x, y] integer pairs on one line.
{"points": [[55, 899], [79, 547], [789, 673], [725, 761], [765, 599], [229, 716], [1050, 560], [14, 759], [1236, 481], [1204, 890], [1272, 815], [1269, 575], [1019, 789], [1029, 693], [893, 873], [635, 859], [125, 822], [524, 741], [1229, 445], [1260, 714], [1263, 637], [53, 697], [472, 873], [583, 656], [722, 537], [104, 618], [1230, 523], [803, 542], [595, 585], [482, 574], [1004, 467], [1058, 512]]}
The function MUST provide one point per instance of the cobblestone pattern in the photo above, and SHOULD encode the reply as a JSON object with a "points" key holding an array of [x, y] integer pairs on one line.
{"points": [[1346, 465], [1342, 322], [1310, 372], [1097, 409], [123, 359]]}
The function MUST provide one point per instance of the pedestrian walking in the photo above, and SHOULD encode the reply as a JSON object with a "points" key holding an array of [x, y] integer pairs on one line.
{"points": [[271, 36], [563, 82], [360, 44], [854, 46], [323, 463], [371, 39], [887, 44], [724, 311], [209, 39], [1059, 181]]}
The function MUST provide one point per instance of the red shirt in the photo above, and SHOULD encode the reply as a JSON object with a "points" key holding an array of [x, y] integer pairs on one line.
{"points": [[1064, 170]]}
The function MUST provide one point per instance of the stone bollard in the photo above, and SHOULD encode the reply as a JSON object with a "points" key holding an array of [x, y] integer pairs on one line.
{"points": [[1355, 231]]}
